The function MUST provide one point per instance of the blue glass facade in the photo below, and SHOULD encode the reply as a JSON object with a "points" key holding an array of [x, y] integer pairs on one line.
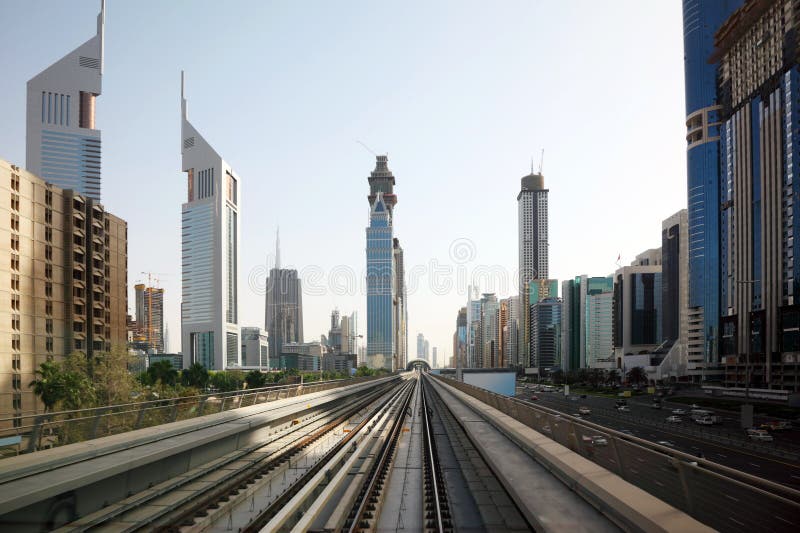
{"points": [[380, 287], [701, 19]]}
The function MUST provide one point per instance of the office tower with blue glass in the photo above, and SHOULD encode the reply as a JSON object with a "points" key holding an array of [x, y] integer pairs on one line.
{"points": [[759, 95], [381, 269], [210, 253], [701, 19], [62, 141]]}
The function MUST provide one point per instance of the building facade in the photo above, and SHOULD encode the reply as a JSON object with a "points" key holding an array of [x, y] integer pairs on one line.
{"points": [[586, 322], [284, 305], [62, 142], [210, 253], [700, 20], [381, 269], [150, 317], [545, 345], [66, 281], [400, 309], [255, 348], [758, 87], [532, 215], [637, 306]]}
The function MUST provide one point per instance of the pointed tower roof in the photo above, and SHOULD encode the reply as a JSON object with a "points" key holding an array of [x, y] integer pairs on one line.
{"points": [[381, 180]]}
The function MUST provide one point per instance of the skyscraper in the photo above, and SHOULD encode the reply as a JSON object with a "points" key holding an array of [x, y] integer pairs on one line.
{"points": [[62, 144], [381, 272], [700, 20], [420, 346], [637, 306], [758, 88], [150, 316], [586, 319], [400, 310], [532, 208], [434, 358], [284, 306], [546, 335], [210, 253]]}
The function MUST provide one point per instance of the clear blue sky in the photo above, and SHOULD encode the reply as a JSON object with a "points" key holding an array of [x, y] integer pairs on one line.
{"points": [[461, 95]]}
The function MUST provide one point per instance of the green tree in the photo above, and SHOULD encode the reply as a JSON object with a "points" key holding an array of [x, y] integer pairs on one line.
{"points": [[195, 376], [112, 380], [636, 375], [613, 376], [364, 371], [558, 376], [255, 379], [49, 384], [163, 372]]}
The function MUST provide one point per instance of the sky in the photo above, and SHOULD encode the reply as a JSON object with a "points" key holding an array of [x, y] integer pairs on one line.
{"points": [[463, 96]]}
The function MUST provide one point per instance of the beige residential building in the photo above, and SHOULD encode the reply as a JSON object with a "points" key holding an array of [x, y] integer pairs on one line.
{"points": [[64, 280]]}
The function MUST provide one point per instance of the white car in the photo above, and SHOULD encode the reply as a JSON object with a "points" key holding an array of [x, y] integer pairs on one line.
{"points": [[761, 436], [674, 419], [599, 440], [678, 412], [667, 443], [623, 408], [585, 411], [705, 421]]}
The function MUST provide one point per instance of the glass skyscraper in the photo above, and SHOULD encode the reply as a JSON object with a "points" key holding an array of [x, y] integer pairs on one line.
{"points": [[701, 19], [210, 253], [381, 282]]}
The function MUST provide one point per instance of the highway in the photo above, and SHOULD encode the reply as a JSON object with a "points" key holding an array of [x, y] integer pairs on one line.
{"points": [[650, 424]]}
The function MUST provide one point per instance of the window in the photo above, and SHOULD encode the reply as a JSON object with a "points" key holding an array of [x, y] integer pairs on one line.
{"points": [[49, 106], [48, 215], [15, 282], [15, 302], [17, 402], [48, 271], [15, 322], [49, 344], [44, 105], [16, 364], [48, 289], [15, 202], [48, 326], [67, 110], [15, 221], [15, 242], [48, 308], [14, 262], [48, 197], [16, 342], [15, 182], [48, 252], [16, 381], [48, 234]]}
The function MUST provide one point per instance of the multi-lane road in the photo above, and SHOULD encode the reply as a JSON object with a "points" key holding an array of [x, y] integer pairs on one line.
{"points": [[650, 424]]}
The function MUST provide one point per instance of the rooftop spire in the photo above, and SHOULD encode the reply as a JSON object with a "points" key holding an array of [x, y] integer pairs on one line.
{"points": [[101, 31], [278, 249], [184, 105]]}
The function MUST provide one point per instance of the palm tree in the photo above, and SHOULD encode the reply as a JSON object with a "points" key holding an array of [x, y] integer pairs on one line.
{"points": [[164, 372], [49, 385], [613, 376], [195, 376]]}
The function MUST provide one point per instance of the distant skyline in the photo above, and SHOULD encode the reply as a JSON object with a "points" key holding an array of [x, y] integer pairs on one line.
{"points": [[462, 95]]}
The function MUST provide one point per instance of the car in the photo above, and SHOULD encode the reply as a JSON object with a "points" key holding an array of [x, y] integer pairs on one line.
{"points": [[674, 419], [583, 396], [534, 398], [627, 432], [705, 421], [623, 408], [695, 406], [599, 440], [678, 411], [585, 410], [655, 405], [666, 443], [761, 436], [576, 415], [573, 398]]}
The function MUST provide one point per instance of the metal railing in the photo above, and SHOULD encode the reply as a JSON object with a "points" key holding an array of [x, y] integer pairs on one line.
{"points": [[50, 430], [721, 497]]}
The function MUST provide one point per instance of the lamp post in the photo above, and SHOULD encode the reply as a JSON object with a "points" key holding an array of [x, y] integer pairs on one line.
{"points": [[747, 408]]}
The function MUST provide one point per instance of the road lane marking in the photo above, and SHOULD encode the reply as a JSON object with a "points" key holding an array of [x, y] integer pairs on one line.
{"points": [[796, 477], [731, 497], [783, 520], [732, 518], [722, 455], [755, 465]]}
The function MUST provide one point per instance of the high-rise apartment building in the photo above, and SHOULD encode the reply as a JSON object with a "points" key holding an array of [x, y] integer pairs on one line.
{"points": [[66, 281], [701, 19], [150, 317], [62, 141], [758, 87], [420, 346], [284, 305], [473, 327], [532, 211], [434, 358], [460, 339], [487, 354], [684, 338], [210, 253], [381, 269]]}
